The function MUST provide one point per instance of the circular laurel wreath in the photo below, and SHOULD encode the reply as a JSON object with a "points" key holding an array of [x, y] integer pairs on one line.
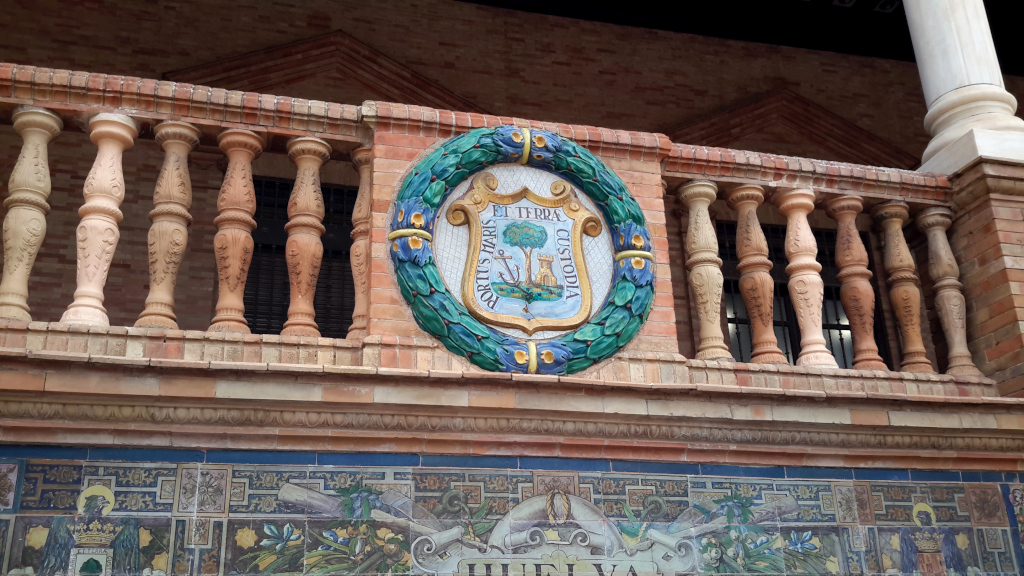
{"points": [[436, 311]]}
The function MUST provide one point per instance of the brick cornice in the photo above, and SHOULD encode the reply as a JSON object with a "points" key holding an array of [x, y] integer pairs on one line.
{"points": [[334, 53], [80, 95], [741, 166], [814, 124], [422, 121]]}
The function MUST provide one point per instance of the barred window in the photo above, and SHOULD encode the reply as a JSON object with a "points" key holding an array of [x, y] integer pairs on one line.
{"points": [[267, 292], [835, 324]]}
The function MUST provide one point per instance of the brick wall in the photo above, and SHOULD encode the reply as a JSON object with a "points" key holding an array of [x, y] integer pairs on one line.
{"points": [[509, 63]]}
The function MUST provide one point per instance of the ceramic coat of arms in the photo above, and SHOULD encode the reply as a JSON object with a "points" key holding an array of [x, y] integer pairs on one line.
{"points": [[522, 252]]}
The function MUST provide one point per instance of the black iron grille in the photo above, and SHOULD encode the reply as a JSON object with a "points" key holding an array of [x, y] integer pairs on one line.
{"points": [[267, 289], [835, 324]]}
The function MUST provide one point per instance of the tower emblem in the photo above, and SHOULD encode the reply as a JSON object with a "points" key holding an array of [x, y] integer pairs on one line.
{"points": [[525, 267]]}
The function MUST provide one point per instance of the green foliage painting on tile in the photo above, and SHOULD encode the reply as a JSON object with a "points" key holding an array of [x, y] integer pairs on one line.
{"points": [[117, 519]]}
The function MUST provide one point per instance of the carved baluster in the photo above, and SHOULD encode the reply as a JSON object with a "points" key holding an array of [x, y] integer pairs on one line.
{"points": [[806, 289], [233, 243], [168, 236], [705, 268], [756, 284], [304, 250], [97, 232], [856, 292], [360, 256], [25, 223], [903, 290], [948, 297]]}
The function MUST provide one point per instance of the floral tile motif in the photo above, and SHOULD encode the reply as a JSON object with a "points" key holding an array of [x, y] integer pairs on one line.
{"points": [[852, 504], [202, 490], [986, 505]]}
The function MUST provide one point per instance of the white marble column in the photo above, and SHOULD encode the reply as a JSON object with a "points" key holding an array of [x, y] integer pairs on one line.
{"points": [[97, 233], [963, 86], [25, 223]]}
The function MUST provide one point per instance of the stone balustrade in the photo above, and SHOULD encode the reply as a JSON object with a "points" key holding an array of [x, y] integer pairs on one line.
{"points": [[794, 190]]}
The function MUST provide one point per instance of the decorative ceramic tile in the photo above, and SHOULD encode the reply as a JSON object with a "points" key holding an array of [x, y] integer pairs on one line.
{"points": [[50, 487], [10, 493], [285, 519], [202, 490], [133, 488], [986, 504]]}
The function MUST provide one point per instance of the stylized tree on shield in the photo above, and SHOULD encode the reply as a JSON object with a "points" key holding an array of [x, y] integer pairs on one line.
{"points": [[526, 237]]}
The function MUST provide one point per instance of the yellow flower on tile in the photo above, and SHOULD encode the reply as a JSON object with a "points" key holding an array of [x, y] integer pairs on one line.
{"points": [[962, 542], [886, 562], [160, 561], [246, 538], [36, 537], [832, 565], [145, 537], [895, 541]]}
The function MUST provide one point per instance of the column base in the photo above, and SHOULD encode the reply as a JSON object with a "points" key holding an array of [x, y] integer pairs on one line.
{"points": [[822, 358], [15, 312], [977, 144], [768, 355], [870, 364], [156, 321], [917, 365], [962, 367], [85, 315], [229, 326], [717, 354], [303, 329]]}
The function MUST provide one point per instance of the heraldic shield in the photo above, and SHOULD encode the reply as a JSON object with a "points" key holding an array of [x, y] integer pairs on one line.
{"points": [[525, 267]]}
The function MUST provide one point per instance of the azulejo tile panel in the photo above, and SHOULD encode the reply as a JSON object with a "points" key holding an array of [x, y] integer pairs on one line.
{"points": [[102, 518]]}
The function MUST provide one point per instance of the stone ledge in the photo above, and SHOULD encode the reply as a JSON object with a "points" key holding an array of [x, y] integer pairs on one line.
{"points": [[239, 414], [200, 352]]}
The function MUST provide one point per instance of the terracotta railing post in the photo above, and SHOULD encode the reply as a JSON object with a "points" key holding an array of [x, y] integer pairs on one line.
{"points": [[25, 223], [756, 284], [97, 232], [856, 291], [949, 300], [233, 245], [362, 158], [305, 251], [806, 288], [705, 268], [902, 280], [168, 236]]}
